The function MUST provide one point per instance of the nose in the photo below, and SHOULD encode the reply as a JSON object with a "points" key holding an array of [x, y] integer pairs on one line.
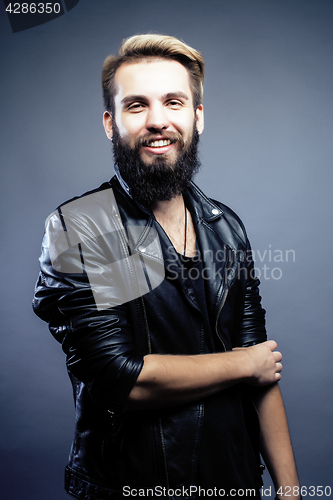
{"points": [[157, 118]]}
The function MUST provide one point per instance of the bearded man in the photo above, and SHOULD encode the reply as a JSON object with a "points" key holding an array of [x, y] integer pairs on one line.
{"points": [[150, 287]]}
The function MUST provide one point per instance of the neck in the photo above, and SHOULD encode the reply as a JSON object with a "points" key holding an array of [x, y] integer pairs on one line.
{"points": [[179, 228], [169, 210]]}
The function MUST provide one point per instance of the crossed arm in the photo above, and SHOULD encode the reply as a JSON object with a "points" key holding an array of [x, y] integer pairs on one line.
{"points": [[167, 380]]}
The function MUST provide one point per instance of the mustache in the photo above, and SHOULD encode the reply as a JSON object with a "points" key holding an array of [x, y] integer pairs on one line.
{"points": [[144, 140]]}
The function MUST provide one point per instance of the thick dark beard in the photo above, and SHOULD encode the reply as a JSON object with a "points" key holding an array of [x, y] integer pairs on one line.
{"points": [[157, 181]]}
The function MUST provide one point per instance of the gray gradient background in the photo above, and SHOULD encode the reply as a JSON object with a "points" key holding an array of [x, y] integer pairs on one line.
{"points": [[266, 152]]}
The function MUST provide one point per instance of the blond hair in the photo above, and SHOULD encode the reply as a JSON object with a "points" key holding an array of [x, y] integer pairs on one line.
{"points": [[141, 47]]}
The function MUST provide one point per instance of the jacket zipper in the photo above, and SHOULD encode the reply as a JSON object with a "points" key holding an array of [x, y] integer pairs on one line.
{"points": [[224, 298], [225, 295]]}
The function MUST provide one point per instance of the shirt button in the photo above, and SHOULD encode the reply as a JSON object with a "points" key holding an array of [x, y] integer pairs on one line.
{"points": [[215, 211]]}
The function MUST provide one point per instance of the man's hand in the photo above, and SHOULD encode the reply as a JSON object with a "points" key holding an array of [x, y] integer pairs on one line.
{"points": [[265, 362]]}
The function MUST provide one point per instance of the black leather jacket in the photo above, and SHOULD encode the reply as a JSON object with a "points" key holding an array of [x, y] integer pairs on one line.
{"points": [[105, 339]]}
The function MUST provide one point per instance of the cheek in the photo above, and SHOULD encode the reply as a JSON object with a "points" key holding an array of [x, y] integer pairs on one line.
{"points": [[188, 133], [131, 127], [185, 124]]}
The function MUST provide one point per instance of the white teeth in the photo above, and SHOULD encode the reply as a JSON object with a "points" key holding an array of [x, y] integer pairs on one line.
{"points": [[159, 144]]}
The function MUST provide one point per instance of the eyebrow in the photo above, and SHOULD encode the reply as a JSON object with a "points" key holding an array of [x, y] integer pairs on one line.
{"points": [[169, 95]]}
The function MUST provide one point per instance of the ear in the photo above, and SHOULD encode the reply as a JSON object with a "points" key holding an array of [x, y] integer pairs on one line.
{"points": [[107, 122], [199, 118]]}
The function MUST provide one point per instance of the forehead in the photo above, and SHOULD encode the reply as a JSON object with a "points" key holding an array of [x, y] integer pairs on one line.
{"points": [[151, 78]]}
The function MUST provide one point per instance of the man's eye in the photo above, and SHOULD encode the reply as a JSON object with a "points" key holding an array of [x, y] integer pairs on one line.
{"points": [[136, 106], [175, 104]]}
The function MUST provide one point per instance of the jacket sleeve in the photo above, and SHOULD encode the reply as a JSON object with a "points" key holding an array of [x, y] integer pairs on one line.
{"points": [[84, 312], [251, 329], [250, 316]]}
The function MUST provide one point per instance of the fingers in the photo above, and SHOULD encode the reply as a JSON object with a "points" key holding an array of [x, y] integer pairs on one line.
{"points": [[277, 356], [278, 370], [279, 367], [271, 344]]}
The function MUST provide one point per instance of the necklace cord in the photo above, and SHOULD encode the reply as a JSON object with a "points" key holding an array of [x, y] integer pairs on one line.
{"points": [[185, 229]]}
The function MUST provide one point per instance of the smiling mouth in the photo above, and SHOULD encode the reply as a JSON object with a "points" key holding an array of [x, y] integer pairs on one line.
{"points": [[158, 143]]}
